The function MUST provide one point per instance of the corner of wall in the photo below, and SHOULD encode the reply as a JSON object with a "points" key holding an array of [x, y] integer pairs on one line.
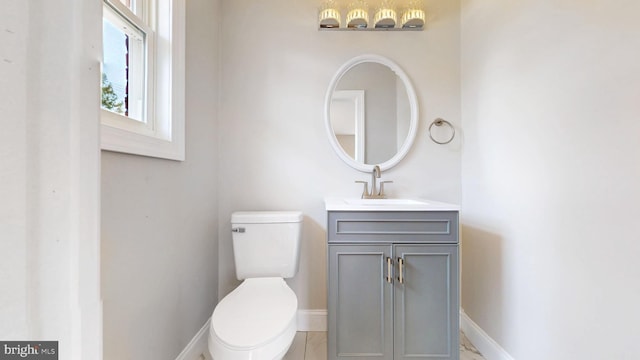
{"points": [[198, 347], [488, 347]]}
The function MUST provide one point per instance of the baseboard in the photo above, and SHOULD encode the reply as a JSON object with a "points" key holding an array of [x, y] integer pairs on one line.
{"points": [[488, 347], [312, 320], [198, 347]]}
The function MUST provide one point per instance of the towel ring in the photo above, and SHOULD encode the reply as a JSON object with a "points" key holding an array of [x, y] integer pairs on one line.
{"points": [[440, 122]]}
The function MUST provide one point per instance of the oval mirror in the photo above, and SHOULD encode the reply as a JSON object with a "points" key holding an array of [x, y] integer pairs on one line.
{"points": [[371, 113]]}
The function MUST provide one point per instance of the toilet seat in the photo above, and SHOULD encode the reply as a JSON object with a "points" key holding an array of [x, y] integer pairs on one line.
{"points": [[257, 320]]}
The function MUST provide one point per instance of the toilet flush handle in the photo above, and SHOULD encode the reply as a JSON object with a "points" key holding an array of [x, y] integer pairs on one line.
{"points": [[237, 230]]}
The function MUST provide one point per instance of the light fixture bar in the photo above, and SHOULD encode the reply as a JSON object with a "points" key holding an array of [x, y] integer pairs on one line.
{"points": [[387, 17]]}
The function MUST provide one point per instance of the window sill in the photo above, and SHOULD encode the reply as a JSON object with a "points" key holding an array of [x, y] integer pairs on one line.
{"points": [[114, 139]]}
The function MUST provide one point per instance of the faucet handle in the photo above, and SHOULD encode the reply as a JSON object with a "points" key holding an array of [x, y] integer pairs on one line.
{"points": [[365, 192], [381, 192]]}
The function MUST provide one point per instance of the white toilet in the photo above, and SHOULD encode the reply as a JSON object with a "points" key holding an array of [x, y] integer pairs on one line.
{"points": [[257, 320]]}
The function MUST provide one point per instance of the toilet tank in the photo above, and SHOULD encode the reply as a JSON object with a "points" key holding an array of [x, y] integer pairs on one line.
{"points": [[266, 243]]}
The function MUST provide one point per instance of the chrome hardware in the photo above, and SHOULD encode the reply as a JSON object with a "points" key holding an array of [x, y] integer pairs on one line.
{"points": [[381, 192], [375, 174], [440, 122], [400, 266], [375, 193], [365, 192], [237, 230], [389, 266]]}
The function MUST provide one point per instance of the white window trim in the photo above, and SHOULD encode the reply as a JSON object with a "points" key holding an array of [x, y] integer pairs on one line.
{"points": [[168, 140]]}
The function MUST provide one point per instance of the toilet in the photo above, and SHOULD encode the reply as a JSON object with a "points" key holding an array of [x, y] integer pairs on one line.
{"points": [[257, 320]]}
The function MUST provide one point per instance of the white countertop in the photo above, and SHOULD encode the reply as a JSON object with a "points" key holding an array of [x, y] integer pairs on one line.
{"points": [[408, 204]]}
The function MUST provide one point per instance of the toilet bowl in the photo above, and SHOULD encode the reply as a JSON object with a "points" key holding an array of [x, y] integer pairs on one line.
{"points": [[257, 320]]}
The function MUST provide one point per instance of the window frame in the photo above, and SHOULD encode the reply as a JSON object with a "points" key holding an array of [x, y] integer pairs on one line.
{"points": [[163, 135], [120, 16]]}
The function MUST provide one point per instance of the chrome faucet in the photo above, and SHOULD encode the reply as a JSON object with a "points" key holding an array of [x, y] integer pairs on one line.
{"points": [[375, 174], [374, 193]]}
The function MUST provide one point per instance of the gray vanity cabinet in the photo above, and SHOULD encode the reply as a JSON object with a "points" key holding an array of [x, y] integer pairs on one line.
{"points": [[393, 285], [360, 318], [426, 303]]}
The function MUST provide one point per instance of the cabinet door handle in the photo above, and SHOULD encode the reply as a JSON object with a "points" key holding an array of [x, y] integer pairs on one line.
{"points": [[389, 266], [400, 267]]}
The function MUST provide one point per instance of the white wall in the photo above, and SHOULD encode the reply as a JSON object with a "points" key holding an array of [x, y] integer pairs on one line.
{"points": [[550, 174], [550, 170], [159, 223], [13, 156], [274, 153], [49, 175]]}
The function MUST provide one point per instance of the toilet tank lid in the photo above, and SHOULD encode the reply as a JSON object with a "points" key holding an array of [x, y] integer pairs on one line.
{"points": [[263, 217]]}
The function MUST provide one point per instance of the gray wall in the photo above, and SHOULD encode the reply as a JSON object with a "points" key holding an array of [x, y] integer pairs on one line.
{"points": [[550, 176], [159, 221]]}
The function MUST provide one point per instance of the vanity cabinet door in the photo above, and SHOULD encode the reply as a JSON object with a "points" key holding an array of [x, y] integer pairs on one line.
{"points": [[360, 302], [426, 302]]}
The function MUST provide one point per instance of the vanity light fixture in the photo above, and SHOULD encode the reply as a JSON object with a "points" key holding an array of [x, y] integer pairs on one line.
{"points": [[413, 17], [358, 15], [329, 15], [385, 17]]}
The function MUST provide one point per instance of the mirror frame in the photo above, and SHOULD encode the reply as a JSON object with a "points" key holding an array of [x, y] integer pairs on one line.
{"points": [[413, 105]]}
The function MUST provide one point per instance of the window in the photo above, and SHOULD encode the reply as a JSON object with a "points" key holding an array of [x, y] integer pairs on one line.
{"points": [[127, 40], [143, 77]]}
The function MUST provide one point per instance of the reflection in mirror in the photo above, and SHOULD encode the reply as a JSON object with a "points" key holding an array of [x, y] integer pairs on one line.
{"points": [[371, 113], [347, 121], [382, 117]]}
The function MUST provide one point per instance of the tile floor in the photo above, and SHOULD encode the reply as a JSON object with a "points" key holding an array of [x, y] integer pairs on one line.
{"points": [[467, 350], [313, 346]]}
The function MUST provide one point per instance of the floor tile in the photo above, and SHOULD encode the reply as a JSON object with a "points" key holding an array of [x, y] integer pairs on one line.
{"points": [[313, 346], [467, 350], [316, 346], [298, 347]]}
